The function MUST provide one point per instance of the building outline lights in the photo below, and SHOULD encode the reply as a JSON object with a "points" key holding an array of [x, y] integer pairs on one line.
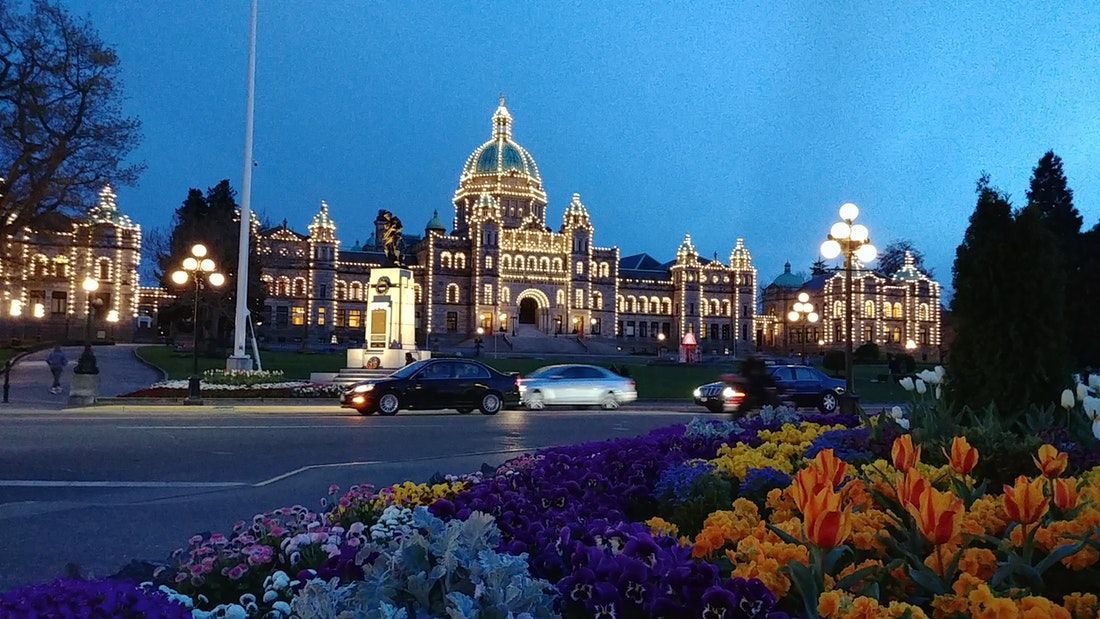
{"points": [[853, 241]]}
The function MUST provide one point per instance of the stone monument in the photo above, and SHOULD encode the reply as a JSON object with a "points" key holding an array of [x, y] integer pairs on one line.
{"points": [[390, 336]]}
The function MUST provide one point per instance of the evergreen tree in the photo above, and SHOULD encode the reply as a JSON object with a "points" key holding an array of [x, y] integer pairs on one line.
{"points": [[818, 268], [892, 258], [1085, 335], [980, 301]]}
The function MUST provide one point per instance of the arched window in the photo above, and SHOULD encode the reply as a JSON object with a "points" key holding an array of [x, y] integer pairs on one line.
{"points": [[451, 295], [282, 286], [619, 303], [559, 298], [544, 264], [643, 305], [488, 263], [418, 292], [505, 295], [445, 260], [269, 283], [341, 290], [838, 309], [922, 312], [597, 300], [605, 270], [578, 299], [580, 268], [727, 307], [356, 291], [61, 267], [666, 306], [896, 336], [557, 264], [532, 263], [460, 260], [898, 311], [869, 309], [505, 261], [299, 286], [104, 269], [715, 308], [631, 305]]}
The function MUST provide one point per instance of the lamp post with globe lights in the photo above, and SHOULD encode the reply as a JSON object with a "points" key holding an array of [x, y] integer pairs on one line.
{"points": [[200, 270], [803, 311], [86, 364], [853, 241]]}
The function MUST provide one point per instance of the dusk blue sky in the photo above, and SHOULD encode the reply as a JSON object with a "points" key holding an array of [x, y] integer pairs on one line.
{"points": [[756, 120]]}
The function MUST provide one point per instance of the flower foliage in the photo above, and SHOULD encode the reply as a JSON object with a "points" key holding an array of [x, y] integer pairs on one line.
{"points": [[91, 599]]}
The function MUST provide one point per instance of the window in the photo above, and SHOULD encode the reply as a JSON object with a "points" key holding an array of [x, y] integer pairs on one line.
{"points": [[557, 264], [666, 306], [745, 311], [104, 270], [628, 330], [356, 289], [703, 331], [505, 261], [896, 336], [59, 302], [544, 264], [487, 294], [299, 287], [580, 268], [595, 323], [725, 332], [355, 318], [61, 267], [642, 327], [868, 333], [578, 299], [597, 301], [445, 260], [462, 369], [488, 263], [925, 337], [559, 298], [321, 316], [745, 333], [605, 270], [282, 314], [339, 318], [713, 331], [691, 309], [922, 312], [838, 309], [898, 311], [869, 309], [505, 295], [452, 322], [460, 261], [805, 374], [451, 295], [322, 291], [298, 316]]}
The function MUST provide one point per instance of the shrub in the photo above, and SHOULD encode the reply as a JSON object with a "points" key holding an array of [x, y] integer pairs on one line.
{"points": [[906, 362], [867, 353], [833, 361]]}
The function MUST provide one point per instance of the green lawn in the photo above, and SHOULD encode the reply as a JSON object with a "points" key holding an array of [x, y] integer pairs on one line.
{"points": [[295, 365]]}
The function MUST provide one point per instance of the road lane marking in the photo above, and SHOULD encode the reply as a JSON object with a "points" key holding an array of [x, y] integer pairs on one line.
{"points": [[268, 427], [55, 483]]}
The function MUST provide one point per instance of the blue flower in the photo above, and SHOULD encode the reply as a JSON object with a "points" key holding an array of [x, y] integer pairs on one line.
{"points": [[678, 479], [758, 482], [850, 445]]}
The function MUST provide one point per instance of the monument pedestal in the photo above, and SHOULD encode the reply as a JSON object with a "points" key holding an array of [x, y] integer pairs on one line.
{"points": [[390, 322], [83, 389]]}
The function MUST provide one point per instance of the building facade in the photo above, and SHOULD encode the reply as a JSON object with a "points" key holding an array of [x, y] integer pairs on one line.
{"points": [[900, 313], [42, 271], [502, 269]]}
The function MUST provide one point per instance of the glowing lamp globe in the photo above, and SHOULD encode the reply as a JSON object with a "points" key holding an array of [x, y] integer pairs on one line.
{"points": [[840, 230], [217, 279], [90, 284], [16, 308], [830, 249], [39, 310], [792, 316], [190, 264], [207, 265], [179, 278], [112, 316], [849, 211], [860, 233], [198, 250], [803, 297], [866, 253], [813, 317]]}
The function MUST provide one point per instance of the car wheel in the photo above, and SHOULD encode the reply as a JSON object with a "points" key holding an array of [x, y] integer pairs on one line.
{"points": [[490, 404], [389, 404], [536, 401], [828, 402], [716, 407], [609, 402], [464, 410]]}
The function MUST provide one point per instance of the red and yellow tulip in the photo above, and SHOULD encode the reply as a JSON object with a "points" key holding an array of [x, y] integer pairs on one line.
{"points": [[830, 468], [826, 524], [1024, 501], [938, 515], [904, 454], [911, 486], [963, 457], [805, 485], [1050, 461], [1064, 493]]}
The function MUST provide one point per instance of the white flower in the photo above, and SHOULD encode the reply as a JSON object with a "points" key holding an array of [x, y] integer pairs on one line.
{"points": [[896, 412], [939, 372], [921, 387], [1096, 427], [904, 423], [929, 377], [1092, 407], [1094, 382], [939, 392], [1067, 399], [1082, 392], [906, 383]]}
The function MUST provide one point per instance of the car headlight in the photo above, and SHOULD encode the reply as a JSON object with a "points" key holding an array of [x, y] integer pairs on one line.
{"points": [[697, 393], [728, 392], [363, 388]]}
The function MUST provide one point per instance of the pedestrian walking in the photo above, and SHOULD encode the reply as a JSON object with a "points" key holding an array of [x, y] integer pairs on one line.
{"points": [[57, 362]]}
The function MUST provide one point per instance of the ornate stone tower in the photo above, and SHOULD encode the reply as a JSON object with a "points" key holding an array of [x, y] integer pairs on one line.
{"points": [[744, 292], [323, 258], [685, 277], [577, 227], [484, 232]]}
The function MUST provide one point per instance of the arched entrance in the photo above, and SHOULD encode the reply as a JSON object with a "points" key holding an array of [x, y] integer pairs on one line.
{"points": [[528, 311]]}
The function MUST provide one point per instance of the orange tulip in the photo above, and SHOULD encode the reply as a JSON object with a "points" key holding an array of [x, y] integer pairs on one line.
{"points": [[911, 486], [1065, 493], [826, 525], [805, 485], [963, 457], [1051, 462], [904, 454], [1024, 501], [938, 515], [830, 467]]}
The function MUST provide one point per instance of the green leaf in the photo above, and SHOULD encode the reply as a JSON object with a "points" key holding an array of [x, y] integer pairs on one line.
{"points": [[836, 554], [1057, 555], [928, 580], [853, 578], [784, 536]]}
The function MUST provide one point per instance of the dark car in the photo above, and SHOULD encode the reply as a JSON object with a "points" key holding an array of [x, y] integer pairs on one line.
{"points": [[460, 384], [802, 385]]}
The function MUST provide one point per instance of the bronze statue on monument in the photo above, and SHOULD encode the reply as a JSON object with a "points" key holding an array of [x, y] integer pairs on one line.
{"points": [[393, 244]]}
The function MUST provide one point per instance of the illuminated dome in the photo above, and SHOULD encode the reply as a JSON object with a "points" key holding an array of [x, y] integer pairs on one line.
{"points": [[788, 279], [504, 170]]}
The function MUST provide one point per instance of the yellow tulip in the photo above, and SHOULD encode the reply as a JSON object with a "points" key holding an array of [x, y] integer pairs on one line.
{"points": [[904, 454], [1024, 501], [1051, 462]]}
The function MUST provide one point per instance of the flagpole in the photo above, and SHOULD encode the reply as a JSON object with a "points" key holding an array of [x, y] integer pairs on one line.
{"points": [[240, 359]]}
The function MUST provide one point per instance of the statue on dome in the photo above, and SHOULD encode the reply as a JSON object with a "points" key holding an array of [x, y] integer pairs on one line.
{"points": [[393, 244]]}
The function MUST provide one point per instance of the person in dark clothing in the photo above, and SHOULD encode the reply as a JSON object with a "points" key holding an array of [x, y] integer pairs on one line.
{"points": [[56, 362], [759, 386]]}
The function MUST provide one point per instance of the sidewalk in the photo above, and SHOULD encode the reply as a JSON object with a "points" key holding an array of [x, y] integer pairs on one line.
{"points": [[120, 371]]}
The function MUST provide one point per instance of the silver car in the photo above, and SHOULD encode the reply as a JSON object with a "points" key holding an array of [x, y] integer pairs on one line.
{"points": [[575, 385]]}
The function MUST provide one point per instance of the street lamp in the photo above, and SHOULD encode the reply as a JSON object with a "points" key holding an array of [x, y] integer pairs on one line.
{"points": [[660, 343], [803, 310], [910, 344], [200, 270], [478, 340], [853, 241], [86, 364], [39, 313], [503, 321]]}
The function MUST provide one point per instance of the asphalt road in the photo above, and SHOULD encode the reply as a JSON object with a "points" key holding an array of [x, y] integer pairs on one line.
{"points": [[98, 488]]}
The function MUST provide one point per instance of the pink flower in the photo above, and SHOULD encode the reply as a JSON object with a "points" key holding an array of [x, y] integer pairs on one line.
{"points": [[195, 539]]}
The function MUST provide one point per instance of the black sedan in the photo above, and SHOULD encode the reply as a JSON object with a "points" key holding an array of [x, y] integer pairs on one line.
{"points": [[434, 384], [801, 385]]}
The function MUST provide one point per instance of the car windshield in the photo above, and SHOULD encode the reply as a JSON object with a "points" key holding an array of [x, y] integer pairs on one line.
{"points": [[409, 370], [545, 372]]}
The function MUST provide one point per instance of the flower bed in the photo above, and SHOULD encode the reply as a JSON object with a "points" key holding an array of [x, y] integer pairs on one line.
{"points": [[245, 389], [777, 515]]}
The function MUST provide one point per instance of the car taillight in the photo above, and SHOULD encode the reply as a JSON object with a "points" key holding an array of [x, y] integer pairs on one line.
{"points": [[631, 383], [518, 377]]}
